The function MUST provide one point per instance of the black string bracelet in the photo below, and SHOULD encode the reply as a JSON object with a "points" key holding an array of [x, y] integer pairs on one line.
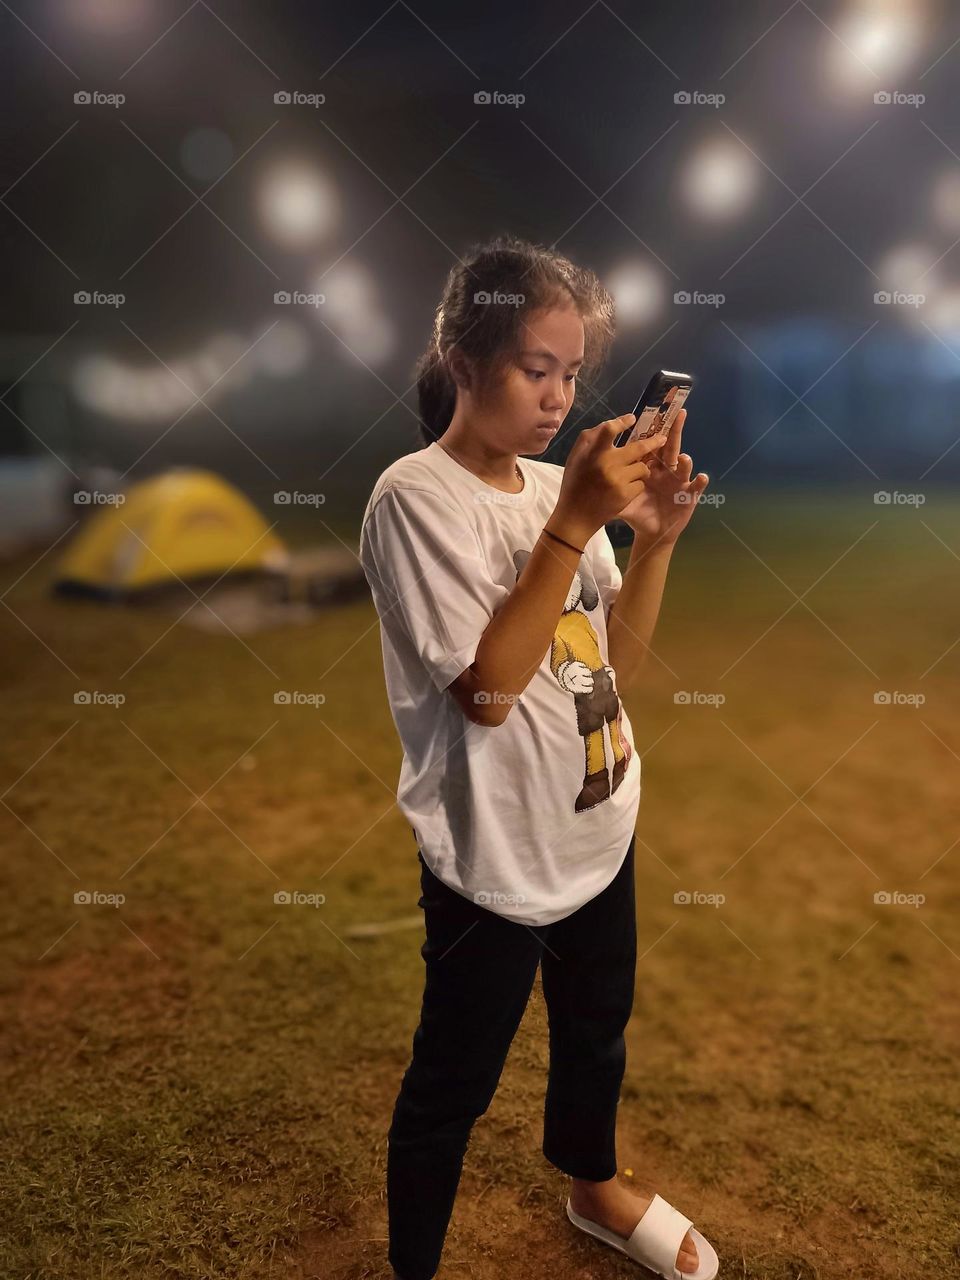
{"points": [[565, 542]]}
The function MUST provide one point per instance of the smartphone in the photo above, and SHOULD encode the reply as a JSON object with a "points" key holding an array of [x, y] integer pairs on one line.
{"points": [[658, 406]]}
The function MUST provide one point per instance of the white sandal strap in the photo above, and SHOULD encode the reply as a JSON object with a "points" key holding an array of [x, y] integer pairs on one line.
{"points": [[657, 1237]]}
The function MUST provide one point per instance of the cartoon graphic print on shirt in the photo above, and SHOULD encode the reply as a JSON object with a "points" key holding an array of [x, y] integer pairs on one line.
{"points": [[576, 662]]}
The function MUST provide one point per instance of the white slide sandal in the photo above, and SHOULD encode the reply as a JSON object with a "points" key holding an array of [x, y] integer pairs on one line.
{"points": [[656, 1241]]}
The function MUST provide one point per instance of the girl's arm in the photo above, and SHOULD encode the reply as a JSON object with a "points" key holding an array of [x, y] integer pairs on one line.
{"points": [[633, 616], [520, 632], [595, 478], [657, 516]]}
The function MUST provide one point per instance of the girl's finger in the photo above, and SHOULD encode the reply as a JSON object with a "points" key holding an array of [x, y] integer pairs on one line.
{"points": [[671, 449], [684, 467], [694, 488]]}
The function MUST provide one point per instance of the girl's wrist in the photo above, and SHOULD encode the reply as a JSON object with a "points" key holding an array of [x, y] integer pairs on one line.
{"points": [[653, 548], [571, 530]]}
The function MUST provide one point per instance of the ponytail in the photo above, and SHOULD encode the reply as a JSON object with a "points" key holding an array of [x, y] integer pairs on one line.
{"points": [[437, 395]]}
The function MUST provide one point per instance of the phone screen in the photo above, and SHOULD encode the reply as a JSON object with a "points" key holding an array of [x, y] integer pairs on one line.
{"points": [[652, 419]]}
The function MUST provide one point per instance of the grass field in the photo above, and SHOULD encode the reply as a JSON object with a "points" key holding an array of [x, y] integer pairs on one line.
{"points": [[198, 1082]]}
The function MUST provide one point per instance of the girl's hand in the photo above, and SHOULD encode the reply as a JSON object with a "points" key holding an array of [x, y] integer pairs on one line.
{"points": [[661, 512], [600, 477]]}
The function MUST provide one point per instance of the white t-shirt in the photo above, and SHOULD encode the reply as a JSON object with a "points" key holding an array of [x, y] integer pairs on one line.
{"points": [[519, 817]]}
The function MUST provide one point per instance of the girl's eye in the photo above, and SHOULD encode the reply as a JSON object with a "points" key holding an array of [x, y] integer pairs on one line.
{"points": [[539, 373]]}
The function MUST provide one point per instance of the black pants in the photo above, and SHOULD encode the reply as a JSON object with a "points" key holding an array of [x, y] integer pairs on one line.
{"points": [[480, 969]]}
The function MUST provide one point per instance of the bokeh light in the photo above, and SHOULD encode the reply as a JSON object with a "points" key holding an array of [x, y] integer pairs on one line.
{"points": [[298, 205], [638, 291], [106, 16], [284, 350], [353, 311], [872, 39], [910, 268], [720, 179]]}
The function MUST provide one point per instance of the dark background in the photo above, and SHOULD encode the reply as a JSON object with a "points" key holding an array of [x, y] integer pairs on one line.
{"points": [[802, 376]]}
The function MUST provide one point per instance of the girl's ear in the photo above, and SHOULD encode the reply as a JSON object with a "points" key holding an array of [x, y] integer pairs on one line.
{"points": [[460, 367]]}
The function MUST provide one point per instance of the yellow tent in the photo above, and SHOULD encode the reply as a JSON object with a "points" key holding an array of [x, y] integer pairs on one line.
{"points": [[184, 523]]}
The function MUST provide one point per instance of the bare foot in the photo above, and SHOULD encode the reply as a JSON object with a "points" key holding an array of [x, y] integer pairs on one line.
{"points": [[614, 1206]]}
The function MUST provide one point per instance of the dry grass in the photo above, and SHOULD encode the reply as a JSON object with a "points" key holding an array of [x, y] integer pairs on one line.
{"points": [[199, 1082]]}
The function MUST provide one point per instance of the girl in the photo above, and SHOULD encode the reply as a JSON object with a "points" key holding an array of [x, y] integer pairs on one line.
{"points": [[507, 634]]}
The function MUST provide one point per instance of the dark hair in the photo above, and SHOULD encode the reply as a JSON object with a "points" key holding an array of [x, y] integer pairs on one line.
{"points": [[490, 334]]}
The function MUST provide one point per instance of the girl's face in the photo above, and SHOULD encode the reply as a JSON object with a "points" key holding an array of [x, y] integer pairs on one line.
{"points": [[524, 411]]}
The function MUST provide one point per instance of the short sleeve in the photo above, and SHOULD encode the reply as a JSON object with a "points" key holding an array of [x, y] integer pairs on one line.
{"points": [[429, 578], [606, 570]]}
